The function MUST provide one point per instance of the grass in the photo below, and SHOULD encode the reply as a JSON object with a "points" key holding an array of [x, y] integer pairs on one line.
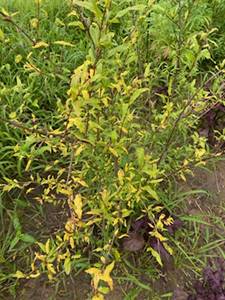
{"points": [[111, 146]]}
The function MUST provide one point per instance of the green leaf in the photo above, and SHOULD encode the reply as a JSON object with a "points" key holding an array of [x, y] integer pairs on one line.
{"points": [[205, 54], [14, 242], [16, 223], [27, 238], [123, 12], [140, 152], [95, 33], [151, 192], [137, 94], [91, 6]]}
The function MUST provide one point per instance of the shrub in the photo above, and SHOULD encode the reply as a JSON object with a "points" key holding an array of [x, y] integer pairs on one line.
{"points": [[106, 144]]}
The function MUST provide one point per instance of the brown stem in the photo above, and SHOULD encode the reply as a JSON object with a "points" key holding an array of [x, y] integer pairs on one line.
{"points": [[42, 132], [38, 16], [180, 116], [20, 29], [193, 164]]}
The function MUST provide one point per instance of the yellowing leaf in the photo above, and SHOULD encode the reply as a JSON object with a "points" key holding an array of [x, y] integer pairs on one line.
{"points": [[106, 275], [72, 13], [85, 94], [78, 206], [72, 242], [47, 246], [168, 248], [67, 265], [69, 226], [18, 58], [102, 275], [1, 35], [156, 255], [50, 268], [168, 221], [96, 274], [113, 151], [28, 165], [40, 45], [5, 12], [35, 275], [78, 123], [79, 150], [98, 297], [34, 23], [19, 275], [32, 68], [120, 175], [13, 115], [64, 43], [76, 24], [158, 235]]}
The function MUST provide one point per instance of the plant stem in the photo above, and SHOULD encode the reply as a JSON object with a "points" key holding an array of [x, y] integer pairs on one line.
{"points": [[180, 116], [20, 29]]}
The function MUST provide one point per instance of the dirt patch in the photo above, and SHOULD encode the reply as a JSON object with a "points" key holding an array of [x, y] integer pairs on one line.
{"points": [[68, 289]]}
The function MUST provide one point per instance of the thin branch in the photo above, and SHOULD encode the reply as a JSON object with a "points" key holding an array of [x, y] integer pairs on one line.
{"points": [[180, 116], [20, 29], [193, 164], [43, 132]]}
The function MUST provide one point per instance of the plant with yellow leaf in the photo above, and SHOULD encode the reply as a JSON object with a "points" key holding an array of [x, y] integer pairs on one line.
{"points": [[103, 103]]}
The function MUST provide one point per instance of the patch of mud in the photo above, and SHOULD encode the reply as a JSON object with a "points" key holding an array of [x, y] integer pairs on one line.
{"points": [[69, 289]]}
